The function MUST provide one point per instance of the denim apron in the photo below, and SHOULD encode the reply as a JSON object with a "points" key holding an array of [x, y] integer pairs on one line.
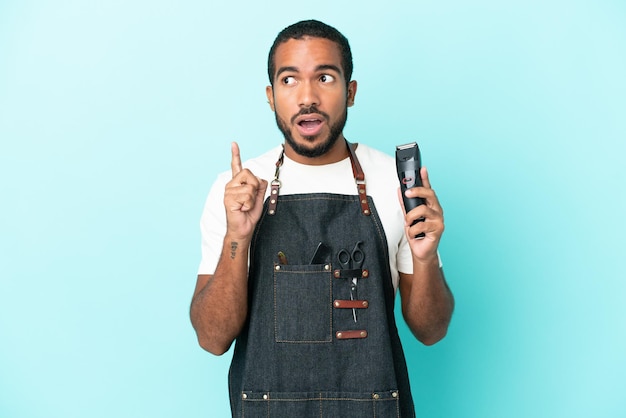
{"points": [[301, 353]]}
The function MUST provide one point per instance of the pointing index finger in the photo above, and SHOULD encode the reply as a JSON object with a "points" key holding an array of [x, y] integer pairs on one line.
{"points": [[235, 163]]}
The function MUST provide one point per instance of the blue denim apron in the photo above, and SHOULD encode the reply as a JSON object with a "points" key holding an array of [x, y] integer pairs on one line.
{"points": [[301, 353]]}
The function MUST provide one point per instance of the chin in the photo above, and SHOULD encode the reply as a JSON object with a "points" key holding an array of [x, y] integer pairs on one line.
{"points": [[310, 147]]}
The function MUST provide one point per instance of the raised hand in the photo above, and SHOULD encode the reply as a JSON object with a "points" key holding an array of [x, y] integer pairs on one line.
{"points": [[243, 198], [432, 224]]}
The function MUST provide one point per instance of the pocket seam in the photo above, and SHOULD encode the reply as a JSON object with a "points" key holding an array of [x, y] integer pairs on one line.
{"points": [[294, 270]]}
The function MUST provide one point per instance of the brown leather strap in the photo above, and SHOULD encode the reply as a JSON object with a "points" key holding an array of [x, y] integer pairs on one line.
{"points": [[273, 197], [351, 273], [359, 177], [351, 304], [348, 335]]}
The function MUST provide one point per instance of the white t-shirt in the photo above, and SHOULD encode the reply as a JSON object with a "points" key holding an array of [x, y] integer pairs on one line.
{"points": [[381, 183]]}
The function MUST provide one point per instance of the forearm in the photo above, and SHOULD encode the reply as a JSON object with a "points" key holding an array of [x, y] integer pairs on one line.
{"points": [[427, 302], [220, 303]]}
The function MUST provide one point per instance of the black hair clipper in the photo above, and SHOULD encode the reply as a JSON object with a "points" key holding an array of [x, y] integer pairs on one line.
{"points": [[408, 164]]}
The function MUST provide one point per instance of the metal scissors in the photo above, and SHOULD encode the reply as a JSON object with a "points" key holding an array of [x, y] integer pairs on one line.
{"points": [[350, 261]]}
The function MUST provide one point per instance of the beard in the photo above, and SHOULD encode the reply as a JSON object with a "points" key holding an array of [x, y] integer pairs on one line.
{"points": [[320, 149]]}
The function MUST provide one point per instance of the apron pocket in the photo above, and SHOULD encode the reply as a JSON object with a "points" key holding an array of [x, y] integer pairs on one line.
{"points": [[303, 303], [384, 404]]}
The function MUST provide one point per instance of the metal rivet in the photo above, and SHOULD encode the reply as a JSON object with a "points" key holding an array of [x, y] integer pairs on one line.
{"points": [[277, 268], [367, 212], [363, 334], [337, 303], [337, 273], [365, 304], [339, 335], [394, 394], [376, 396], [365, 273], [327, 267], [244, 396], [273, 201], [363, 201], [271, 212], [274, 191], [265, 396]]}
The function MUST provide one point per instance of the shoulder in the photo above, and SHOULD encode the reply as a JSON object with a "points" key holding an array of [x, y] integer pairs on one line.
{"points": [[377, 165], [374, 155], [265, 160], [381, 179]]}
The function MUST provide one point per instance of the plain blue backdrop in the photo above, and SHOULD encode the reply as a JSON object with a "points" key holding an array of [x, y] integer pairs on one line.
{"points": [[115, 118]]}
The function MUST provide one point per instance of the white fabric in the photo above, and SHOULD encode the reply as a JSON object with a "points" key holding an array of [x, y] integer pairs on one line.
{"points": [[381, 182]]}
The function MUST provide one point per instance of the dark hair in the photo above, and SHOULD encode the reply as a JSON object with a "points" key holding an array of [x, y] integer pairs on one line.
{"points": [[314, 29]]}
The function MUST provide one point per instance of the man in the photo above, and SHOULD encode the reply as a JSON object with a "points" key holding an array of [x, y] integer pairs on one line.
{"points": [[303, 274]]}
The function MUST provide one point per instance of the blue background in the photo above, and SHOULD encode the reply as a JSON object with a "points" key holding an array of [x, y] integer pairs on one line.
{"points": [[115, 118]]}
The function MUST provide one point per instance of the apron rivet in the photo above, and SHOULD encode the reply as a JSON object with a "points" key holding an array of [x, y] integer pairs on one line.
{"points": [[271, 212], [376, 396], [265, 396], [277, 268], [363, 334], [337, 274], [394, 394], [365, 304], [337, 304], [244, 396], [367, 212], [339, 335], [327, 267], [366, 273]]}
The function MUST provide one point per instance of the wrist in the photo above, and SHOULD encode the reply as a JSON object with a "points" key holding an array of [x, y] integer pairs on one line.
{"points": [[429, 261]]}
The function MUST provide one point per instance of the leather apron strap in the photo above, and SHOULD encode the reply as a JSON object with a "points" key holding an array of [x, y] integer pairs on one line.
{"points": [[357, 171]]}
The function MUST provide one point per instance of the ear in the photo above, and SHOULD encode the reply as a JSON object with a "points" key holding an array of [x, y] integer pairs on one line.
{"points": [[269, 92], [352, 85]]}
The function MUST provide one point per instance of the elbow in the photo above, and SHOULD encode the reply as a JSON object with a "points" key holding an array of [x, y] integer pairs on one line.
{"points": [[211, 341], [430, 332], [214, 347], [433, 337]]}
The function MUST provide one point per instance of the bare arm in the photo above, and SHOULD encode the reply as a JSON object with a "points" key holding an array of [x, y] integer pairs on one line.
{"points": [[427, 302], [220, 302]]}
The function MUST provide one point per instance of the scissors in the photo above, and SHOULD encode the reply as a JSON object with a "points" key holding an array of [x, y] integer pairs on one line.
{"points": [[349, 261]]}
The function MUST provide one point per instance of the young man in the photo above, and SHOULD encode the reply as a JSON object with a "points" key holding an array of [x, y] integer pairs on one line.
{"points": [[303, 274]]}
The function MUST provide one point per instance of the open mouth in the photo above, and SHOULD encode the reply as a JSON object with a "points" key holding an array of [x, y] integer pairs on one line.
{"points": [[309, 125]]}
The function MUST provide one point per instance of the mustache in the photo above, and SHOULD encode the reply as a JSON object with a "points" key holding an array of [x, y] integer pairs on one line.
{"points": [[308, 111]]}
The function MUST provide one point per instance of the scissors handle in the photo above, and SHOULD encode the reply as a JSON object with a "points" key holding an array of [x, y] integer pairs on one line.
{"points": [[357, 255], [345, 259]]}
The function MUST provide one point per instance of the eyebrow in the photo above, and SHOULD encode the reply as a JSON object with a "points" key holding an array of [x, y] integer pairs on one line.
{"points": [[321, 67]]}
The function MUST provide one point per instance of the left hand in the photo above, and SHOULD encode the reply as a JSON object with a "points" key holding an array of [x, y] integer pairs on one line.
{"points": [[423, 249]]}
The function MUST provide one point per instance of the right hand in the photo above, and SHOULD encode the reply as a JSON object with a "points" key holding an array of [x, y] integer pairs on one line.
{"points": [[243, 198]]}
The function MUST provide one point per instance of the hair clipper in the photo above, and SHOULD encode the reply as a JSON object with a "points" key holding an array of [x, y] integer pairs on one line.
{"points": [[408, 165]]}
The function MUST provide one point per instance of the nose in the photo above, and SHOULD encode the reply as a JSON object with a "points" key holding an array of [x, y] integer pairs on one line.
{"points": [[309, 95]]}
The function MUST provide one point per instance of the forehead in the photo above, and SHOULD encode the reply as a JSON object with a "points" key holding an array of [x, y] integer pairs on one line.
{"points": [[307, 53]]}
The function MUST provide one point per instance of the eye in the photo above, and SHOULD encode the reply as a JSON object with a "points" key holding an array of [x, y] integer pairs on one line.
{"points": [[327, 78], [288, 80]]}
